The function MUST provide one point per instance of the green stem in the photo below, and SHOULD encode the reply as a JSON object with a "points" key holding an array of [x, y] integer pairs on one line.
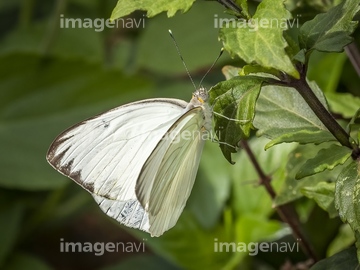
{"points": [[318, 108]]}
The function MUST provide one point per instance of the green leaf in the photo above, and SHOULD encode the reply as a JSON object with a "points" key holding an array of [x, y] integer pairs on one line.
{"points": [[347, 191], [310, 135], [330, 31], [300, 56], [293, 46], [345, 259], [334, 42], [345, 104], [326, 159], [262, 43], [323, 194], [231, 72], [343, 240], [69, 91], [248, 69], [282, 114], [244, 7], [234, 102], [10, 224], [292, 188], [354, 124], [125, 7]]}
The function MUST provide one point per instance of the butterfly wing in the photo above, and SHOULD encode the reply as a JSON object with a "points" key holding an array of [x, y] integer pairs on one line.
{"points": [[105, 154], [168, 175], [129, 213]]}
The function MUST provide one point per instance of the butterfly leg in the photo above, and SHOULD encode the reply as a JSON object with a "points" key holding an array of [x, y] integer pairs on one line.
{"points": [[232, 119]]}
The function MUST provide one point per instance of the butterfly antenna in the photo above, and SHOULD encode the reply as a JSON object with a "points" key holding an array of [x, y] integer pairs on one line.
{"points": [[182, 59], [213, 64]]}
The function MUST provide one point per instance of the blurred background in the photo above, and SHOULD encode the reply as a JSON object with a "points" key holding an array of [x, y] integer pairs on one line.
{"points": [[53, 77]]}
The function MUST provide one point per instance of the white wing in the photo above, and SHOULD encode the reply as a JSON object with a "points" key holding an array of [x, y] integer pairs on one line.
{"points": [[129, 213], [105, 154], [168, 175]]}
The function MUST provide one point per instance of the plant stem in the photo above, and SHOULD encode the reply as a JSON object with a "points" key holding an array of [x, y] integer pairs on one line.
{"points": [[318, 108], [230, 4], [354, 55], [286, 212]]}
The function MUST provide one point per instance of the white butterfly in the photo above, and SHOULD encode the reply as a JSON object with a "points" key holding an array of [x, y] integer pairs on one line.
{"points": [[139, 161]]}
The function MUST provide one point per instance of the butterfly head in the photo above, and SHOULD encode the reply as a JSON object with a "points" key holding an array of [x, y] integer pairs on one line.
{"points": [[200, 96]]}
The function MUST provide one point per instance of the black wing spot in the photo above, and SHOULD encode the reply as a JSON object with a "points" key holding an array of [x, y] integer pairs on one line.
{"points": [[105, 124]]}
